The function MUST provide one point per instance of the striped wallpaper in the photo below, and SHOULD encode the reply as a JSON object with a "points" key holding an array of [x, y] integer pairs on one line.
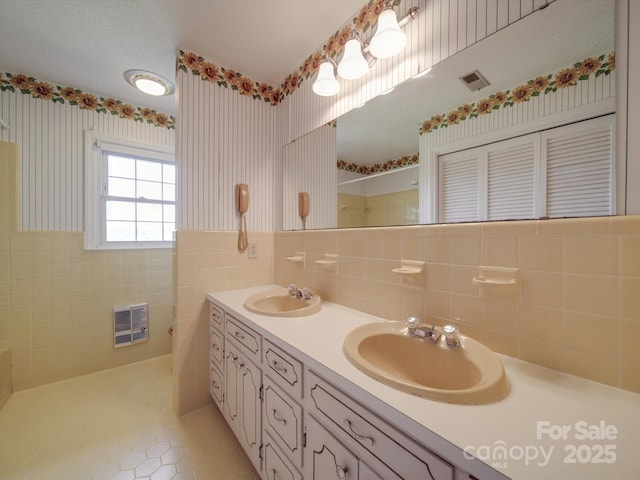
{"points": [[50, 136], [309, 165], [225, 138]]}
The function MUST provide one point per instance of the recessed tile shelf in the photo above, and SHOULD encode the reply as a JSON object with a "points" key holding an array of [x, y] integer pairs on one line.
{"points": [[409, 268]]}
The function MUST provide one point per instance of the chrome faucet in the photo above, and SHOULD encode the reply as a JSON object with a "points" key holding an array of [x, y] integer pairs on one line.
{"points": [[302, 294], [430, 334], [433, 334]]}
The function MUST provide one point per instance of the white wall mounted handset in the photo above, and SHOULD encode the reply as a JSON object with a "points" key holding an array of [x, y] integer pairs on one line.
{"points": [[303, 207], [242, 196]]}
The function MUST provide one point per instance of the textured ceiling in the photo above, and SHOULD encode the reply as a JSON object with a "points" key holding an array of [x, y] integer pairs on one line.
{"points": [[89, 44]]}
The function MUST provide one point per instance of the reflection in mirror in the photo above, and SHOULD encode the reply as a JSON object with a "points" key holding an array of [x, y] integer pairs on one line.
{"points": [[386, 128], [386, 198]]}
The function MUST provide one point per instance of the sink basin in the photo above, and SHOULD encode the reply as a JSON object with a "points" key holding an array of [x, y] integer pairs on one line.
{"points": [[278, 303], [469, 374]]}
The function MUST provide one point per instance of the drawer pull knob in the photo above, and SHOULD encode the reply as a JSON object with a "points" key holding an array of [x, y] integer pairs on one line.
{"points": [[277, 367], [274, 413], [342, 472], [215, 347], [239, 335], [215, 385], [275, 474], [359, 436]]}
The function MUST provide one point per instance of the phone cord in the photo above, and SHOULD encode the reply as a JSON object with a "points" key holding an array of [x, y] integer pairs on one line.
{"points": [[243, 242]]}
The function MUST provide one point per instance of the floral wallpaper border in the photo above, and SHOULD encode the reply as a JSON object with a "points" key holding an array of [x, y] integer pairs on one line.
{"points": [[405, 161], [333, 47], [542, 85], [27, 85]]}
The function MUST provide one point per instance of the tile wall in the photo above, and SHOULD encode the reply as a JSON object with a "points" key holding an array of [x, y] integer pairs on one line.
{"points": [[56, 299], [578, 310], [208, 261]]}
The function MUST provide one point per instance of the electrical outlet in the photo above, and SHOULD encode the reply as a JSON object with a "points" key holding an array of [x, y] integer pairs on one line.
{"points": [[253, 250]]}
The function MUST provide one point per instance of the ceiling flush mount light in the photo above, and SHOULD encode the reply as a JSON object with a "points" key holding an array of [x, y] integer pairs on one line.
{"points": [[149, 82], [353, 64], [326, 83], [389, 38]]}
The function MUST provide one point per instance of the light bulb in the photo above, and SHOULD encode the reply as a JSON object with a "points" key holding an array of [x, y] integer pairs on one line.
{"points": [[326, 84], [389, 38], [353, 65]]}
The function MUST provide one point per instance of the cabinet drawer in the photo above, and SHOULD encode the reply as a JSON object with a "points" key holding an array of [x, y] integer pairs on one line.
{"points": [[285, 370], [343, 415], [283, 418], [216, 346], [276, 465], [215, 385], [216, 315], [248, 340]]}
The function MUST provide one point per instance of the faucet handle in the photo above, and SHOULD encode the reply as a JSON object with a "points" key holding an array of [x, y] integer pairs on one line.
{"points": [[293, 290], [306, 294], [412, 322], [451, 336]]}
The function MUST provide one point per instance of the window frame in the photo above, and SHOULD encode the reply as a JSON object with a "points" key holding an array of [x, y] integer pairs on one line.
{"points": [[96, 171]]}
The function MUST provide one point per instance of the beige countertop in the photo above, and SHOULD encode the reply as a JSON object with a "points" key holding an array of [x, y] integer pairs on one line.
{"points": [[551, 425]]}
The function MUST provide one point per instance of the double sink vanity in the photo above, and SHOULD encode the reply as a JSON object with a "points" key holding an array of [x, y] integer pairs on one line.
{"points": [[319, 391]]}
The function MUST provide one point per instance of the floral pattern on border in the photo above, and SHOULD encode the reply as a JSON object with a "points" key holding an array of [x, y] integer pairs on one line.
{"points": [[64, 94], [379, 167], [333, 47], [542, 85]]}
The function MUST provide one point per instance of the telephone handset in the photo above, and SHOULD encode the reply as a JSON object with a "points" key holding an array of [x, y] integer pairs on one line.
{"points": [[243, 198], [243, 205], [303, 207]]}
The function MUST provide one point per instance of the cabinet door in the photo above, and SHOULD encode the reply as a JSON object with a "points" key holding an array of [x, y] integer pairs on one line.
{"points": [[216, 386], [325, 457], [250, 382], [231, 406]]}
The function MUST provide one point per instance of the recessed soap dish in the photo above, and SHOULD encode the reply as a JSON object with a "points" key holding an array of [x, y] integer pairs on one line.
{"points": [[409, 268], [498, 281], [298, 258], [328, 262]]}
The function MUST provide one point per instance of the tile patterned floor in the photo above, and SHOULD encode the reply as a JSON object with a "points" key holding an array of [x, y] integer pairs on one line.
{"points": [[115, 425]]}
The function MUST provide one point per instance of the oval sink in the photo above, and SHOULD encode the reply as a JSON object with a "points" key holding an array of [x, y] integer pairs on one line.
{"points": [[468, 374], [278, 303]]}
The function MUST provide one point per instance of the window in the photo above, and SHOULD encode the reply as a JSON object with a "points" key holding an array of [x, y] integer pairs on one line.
{"points": [[566, 171], [131, 195]]}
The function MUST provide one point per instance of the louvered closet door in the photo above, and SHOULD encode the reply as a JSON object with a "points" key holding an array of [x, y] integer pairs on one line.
{"points": [[459, 186], [512, 178], [579, 162]]}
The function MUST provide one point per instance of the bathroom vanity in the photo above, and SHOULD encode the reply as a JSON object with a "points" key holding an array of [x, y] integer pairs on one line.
{"points": [[300, 409]]}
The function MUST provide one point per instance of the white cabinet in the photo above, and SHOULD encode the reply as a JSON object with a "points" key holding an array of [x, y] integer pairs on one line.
{"points": [[370, 437], [216, 355], [243, 406]]}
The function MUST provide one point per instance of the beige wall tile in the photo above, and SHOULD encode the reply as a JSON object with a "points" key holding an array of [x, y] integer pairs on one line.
{"points": [[542, 288], [569, 226], [541, 353], [499, 251], [630, 255], [591, 254], [500, 342], [594, 367], [540, 325], [465, 250], [595, 294], [438, 276], [437, 249], [465, 309], [540, 253], [499, 317], [625, 224], [630, 376], [629, 335], [591, 333]]}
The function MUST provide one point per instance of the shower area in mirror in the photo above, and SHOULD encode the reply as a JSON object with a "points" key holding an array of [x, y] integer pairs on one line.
{"points": [[385, 198]]}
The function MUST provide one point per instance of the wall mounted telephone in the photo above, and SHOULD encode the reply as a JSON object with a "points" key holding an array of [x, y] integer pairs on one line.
{"points": [[303, 207], [242, 196]]}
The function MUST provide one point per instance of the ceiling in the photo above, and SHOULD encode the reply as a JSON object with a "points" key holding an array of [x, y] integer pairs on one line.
{"points": [[89, 44]]}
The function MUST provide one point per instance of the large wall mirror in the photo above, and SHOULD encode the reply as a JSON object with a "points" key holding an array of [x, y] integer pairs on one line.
{"points": [[381, 180]]}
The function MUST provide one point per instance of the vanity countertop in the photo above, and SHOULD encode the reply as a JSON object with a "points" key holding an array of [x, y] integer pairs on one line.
{"points": [[551, 425]]}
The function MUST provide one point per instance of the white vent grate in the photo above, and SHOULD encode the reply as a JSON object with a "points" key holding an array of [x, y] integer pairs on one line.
{"points": [[130, 324]]}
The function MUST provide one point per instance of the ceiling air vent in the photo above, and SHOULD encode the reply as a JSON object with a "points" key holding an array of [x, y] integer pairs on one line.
{"points": [[474, 80]]}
